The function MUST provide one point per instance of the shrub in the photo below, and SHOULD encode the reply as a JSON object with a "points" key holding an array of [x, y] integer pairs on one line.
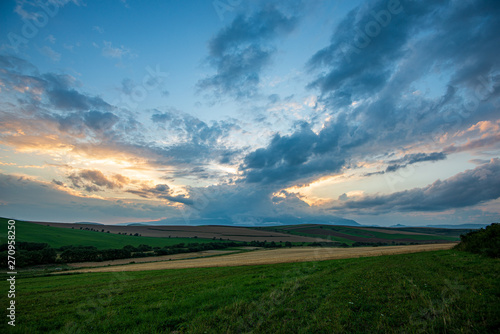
{"points": [[485, 241]]}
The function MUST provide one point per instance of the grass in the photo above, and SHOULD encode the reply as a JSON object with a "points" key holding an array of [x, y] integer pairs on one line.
{"points": [[431, 292], [57, 237]]}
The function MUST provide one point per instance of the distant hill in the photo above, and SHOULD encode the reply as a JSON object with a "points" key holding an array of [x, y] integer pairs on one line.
{"points": [[88, 223], [257, 221], [449, 226], [461, 226]]}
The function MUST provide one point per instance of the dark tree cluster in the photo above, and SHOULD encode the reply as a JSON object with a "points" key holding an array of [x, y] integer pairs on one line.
{"points": [[29, 254], [485, 241]]}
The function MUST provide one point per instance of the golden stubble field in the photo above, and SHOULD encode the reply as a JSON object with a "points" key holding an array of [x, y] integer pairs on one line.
{"points": [[265, 256]]}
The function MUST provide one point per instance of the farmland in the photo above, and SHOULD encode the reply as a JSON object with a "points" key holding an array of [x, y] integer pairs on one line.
{"points": [[186, 231], [292, 233], [350, 234], [57, 237], [258, 257], [423, 287], [441, 291]]}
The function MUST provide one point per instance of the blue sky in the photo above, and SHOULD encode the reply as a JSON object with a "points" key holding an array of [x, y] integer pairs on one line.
{"points": [[250, 112]]}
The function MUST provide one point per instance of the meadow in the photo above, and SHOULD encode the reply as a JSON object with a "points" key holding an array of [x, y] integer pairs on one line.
{"points": [[429, 292]]}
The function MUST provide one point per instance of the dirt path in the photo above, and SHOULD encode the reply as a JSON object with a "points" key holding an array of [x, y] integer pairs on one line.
{"points": [[273, 256]]}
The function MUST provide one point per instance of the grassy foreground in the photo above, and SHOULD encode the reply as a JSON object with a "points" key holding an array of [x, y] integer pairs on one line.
{"points": [[442, 291]]}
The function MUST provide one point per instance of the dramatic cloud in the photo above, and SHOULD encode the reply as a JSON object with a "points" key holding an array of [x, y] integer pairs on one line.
{"points": [[391, 118], [374, 37], [304, 154], [240, 51], [52, 204], [410, 159], [50, 90], [162, 191], [194, 140], [63, 97], [94, 180], [465, 189]]}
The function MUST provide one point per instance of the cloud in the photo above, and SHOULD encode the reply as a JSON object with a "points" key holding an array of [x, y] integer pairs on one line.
{"points": [[410, 159], [481, 143], [240, 51], [193, 140], [303, 155], [30, 10], [379, 78], [51, 39], [374, 74], [98, 29], [55, 91], [50, 201], [475, 186], [109, 51], [100, 121], [162, 191], [49, 52], [93, 180], [368, 90]]}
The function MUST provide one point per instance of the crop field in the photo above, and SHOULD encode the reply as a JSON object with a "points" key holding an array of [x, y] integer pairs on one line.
{"points": [[444, 291], [350, 234], [187, 231], [160, 258], [260, 257], [58, 237]]}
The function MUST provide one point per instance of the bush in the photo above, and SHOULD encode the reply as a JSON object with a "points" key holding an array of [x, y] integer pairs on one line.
{"points": [[29, 254], [484, 241]]}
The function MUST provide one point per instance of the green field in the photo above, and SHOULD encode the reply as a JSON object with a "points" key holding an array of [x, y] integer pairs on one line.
{"points": [[430, 292], [57, 237]]}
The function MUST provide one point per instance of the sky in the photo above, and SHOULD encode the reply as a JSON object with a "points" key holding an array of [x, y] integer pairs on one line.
{"points": [[250, 112]]}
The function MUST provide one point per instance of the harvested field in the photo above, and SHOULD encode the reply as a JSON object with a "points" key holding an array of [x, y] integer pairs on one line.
{"points": [[388, 230], [151, 258], [369, 237], [273, 256], [206, 231]]}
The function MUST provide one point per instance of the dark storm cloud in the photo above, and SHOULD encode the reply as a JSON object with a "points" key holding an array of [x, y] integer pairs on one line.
{"points": [[301, 155], [373, 38], [240, 51], [59, 90], [410, 159], [63, 96], [77, 122], [418, 39], [468, 188], [402, 42], [100, 121], [161, 191], [92, 180]]}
